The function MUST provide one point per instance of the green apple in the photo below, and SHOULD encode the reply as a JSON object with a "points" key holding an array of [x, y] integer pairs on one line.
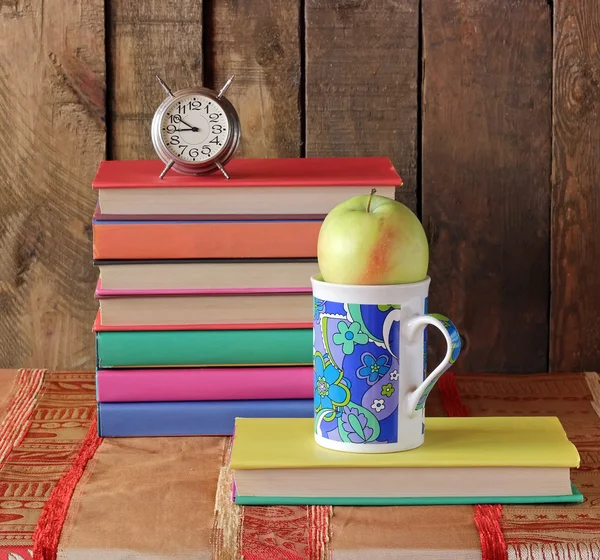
{"points": [[372, 240]]}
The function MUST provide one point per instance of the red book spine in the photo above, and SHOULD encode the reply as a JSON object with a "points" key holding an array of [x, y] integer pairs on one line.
{"points": [[206, 240]]}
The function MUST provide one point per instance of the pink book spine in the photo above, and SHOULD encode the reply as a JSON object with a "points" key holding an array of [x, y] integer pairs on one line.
{"points": [[204, 384], [100, 293]]}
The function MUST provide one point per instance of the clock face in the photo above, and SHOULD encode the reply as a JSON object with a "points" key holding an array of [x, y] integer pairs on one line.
{"points": [[194, 128]]}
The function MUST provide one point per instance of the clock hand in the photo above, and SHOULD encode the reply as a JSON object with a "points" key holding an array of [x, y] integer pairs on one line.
{"points": [[194, 128]]}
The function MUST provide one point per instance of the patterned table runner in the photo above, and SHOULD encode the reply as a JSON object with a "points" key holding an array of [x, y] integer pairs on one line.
{"points": [[43, 420], [169, 498], [548, 532]]}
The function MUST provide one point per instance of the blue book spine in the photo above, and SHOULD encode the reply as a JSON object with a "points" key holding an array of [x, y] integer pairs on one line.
{"points": [[191, 418]]}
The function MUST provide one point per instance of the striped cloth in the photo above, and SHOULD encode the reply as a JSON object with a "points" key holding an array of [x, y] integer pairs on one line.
{"points": [[170, 498]]}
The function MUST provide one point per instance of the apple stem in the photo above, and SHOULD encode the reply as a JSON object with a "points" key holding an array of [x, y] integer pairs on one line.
{"points": [[373, 191]]}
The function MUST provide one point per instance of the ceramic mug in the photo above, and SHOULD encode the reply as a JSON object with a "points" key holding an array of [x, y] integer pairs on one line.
{"points": [[369, 357]]}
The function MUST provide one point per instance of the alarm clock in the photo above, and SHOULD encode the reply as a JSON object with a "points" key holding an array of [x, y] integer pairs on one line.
{"points": [[196, 130]]}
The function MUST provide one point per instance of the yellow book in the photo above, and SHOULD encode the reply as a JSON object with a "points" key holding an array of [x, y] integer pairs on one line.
{"points": [[462, 456]]}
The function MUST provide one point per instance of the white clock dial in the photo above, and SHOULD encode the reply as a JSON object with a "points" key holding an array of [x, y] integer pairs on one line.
{"points": [[194, 128]]}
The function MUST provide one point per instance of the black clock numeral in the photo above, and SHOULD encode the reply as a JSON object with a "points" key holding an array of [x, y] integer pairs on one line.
{"points": [[194, 105], [184, 146], [175, 140], [171, 128], [205, 150], [207, 106], [217, 129], [214, 117], [194, 153], [216, 141], [175, 118], [181, 109]]}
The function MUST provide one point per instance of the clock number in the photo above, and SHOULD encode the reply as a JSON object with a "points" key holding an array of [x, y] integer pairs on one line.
{"points": [[184, 146], [175, 118], [194, 153], [215, 140], [181, 109], [214, 117], [205, 150], [171, 128], [194, 105], [175, 140], [217, 129], [207, 107]]}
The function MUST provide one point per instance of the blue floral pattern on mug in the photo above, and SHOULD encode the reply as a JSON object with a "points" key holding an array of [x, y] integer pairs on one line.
{"points": [[356, 378], [348, 336], [318, 308], [373, 368], [330, 391]]}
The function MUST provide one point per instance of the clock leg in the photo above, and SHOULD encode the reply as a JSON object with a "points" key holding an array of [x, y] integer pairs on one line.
{"points": [[225, 87], [164, 86], [222, 169], [166, 169]]}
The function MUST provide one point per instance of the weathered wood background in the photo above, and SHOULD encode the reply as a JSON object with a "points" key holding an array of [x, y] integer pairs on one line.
{"points": [[490, 111]]}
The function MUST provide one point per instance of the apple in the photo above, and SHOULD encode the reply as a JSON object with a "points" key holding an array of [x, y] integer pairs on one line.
{"points": [[372, 240]]}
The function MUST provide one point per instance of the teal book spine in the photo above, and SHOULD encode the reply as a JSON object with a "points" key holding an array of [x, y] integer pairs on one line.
{"points": [[575, 497], [122, 349]]}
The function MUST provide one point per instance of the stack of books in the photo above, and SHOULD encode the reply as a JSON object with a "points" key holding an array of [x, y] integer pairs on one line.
{"points": [[464, 460], [205, 304]]}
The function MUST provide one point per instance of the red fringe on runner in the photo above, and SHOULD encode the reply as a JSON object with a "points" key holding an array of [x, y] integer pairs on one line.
{"points": [[487, 517], [50, 524], [319, 517]]}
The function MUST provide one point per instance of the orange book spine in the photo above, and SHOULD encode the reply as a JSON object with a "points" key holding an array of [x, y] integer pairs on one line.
{"points": [[205, 240]]}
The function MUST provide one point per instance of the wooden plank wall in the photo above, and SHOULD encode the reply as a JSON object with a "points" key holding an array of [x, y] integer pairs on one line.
{"points": [[486, 175], [575, 280], [52, 118], [489, 110]]}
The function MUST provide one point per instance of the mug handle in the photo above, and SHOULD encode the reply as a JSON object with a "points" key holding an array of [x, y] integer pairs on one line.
{"points": [[410, 329]]}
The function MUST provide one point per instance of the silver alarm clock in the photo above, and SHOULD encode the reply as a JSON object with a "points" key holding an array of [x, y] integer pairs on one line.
{"points": [[196, 130]]}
